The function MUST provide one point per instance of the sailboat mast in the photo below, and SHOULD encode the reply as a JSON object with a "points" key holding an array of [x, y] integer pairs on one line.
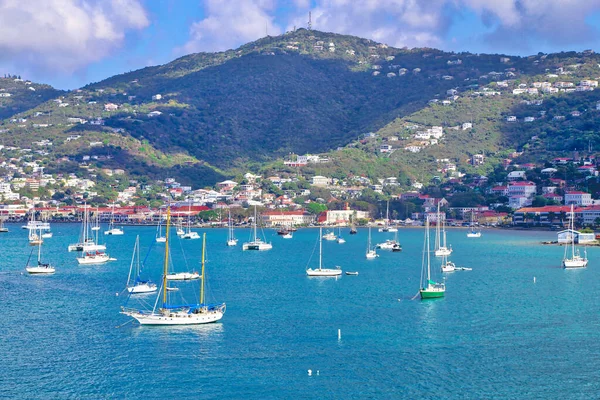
{"points": [[428, 253], [572, 233], [320, 247], [40, 246], [255, 223], [202, 276], [166, 265]]}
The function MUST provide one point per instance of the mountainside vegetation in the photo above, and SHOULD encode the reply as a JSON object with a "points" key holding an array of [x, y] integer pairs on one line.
{"points": [[207, 116]]}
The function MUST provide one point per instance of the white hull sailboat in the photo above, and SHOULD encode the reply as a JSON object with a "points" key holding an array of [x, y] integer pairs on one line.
{"points": [[256, 243], [183, 276], [112, 230], [441, 247], [189, 234], [159, 236], [231, 240], [40, 268], [574, 259], [472, 232], [181, 314], [136, 285], [371, 253], [323, 271], [88, 258], [329, 236]]}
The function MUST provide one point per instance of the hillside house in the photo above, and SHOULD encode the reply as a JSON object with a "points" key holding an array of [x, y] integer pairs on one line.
{"points": [[111, 107], [578, 198]]}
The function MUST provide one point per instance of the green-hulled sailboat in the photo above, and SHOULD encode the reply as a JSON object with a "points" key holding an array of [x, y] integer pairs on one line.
{"points": [[429, 288]]}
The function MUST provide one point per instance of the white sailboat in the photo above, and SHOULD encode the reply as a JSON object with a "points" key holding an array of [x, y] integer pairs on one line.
{"points": [[256, 243], [371, 253], [231, 240], [441, 248], [134, 283], [472, 232], [330, 235], [159, 236], [392, 244], [288, 235], [91, 251], [429, 288], [35, 238], [323, 271], [40, 268], [177, 314], [112, 230], [387, 227], [574, 259], [88, 242], [96, 226], [340, 239], [189, 234], [3, 229]]}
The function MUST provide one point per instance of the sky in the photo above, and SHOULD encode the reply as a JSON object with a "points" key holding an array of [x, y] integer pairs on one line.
{"points": [[70, 43]]}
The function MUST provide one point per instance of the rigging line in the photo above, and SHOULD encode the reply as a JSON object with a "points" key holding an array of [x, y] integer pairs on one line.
{"points": [[122, 325], [415, 296], [313, 251]]}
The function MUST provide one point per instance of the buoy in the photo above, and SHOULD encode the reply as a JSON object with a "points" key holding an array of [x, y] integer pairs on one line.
{"points": [[534, 279], [117, 294], [317, 372], [339, 334], [310, 372]]}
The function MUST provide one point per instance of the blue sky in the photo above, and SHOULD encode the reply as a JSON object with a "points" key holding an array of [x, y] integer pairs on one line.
{"points": [[69, 43]]}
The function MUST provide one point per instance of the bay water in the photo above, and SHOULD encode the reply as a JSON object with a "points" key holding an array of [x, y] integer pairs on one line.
{"points": [[496, 334]]}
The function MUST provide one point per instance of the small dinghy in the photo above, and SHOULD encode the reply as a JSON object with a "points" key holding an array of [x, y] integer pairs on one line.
{"points": [[351, 272]]}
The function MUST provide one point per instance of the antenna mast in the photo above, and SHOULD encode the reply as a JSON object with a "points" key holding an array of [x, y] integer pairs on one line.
{"points": [[309, 21]]}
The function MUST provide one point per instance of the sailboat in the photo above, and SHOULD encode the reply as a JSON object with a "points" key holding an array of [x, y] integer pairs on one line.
{"points": [[574, 259], [392, 244], [371, 253], [189, 234], [3, 229], [177, 314], [353, 230], [96, 226], [447, 265], [323, 271], [329, 236], [35, 239], [288, 235], [441, 249], [134, 283], [231, 240], [159, 236], [387, 227], [87, 241], [472, 232], [256, 243], [91, 251], [111, 226], [429, 288], [340, 239], [40, 268]]}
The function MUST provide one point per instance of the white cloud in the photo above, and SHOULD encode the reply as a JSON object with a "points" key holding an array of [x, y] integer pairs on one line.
{"points": [[63, 36], [412, 23], [231, 23]]}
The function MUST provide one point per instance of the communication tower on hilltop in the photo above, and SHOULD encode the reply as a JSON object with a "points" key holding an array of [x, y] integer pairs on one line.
{"points": [[309, 21]]}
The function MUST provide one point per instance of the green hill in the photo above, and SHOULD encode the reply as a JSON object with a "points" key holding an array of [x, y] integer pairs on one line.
{"points": [[209, 115]]}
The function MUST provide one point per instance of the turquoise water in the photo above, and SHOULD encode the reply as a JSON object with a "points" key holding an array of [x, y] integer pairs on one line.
{"points": [[496, 334]]}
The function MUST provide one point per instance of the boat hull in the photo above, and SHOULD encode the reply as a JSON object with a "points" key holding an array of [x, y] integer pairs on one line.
{"points": [[161, 239], [324, 272], [142, 288], [443, 251], [183, 276], [114, 232], [474, 234], [176, 318], [257, 246], [232, 242], [427, 294], [40, 270], [93, 260], [581, 263]]}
